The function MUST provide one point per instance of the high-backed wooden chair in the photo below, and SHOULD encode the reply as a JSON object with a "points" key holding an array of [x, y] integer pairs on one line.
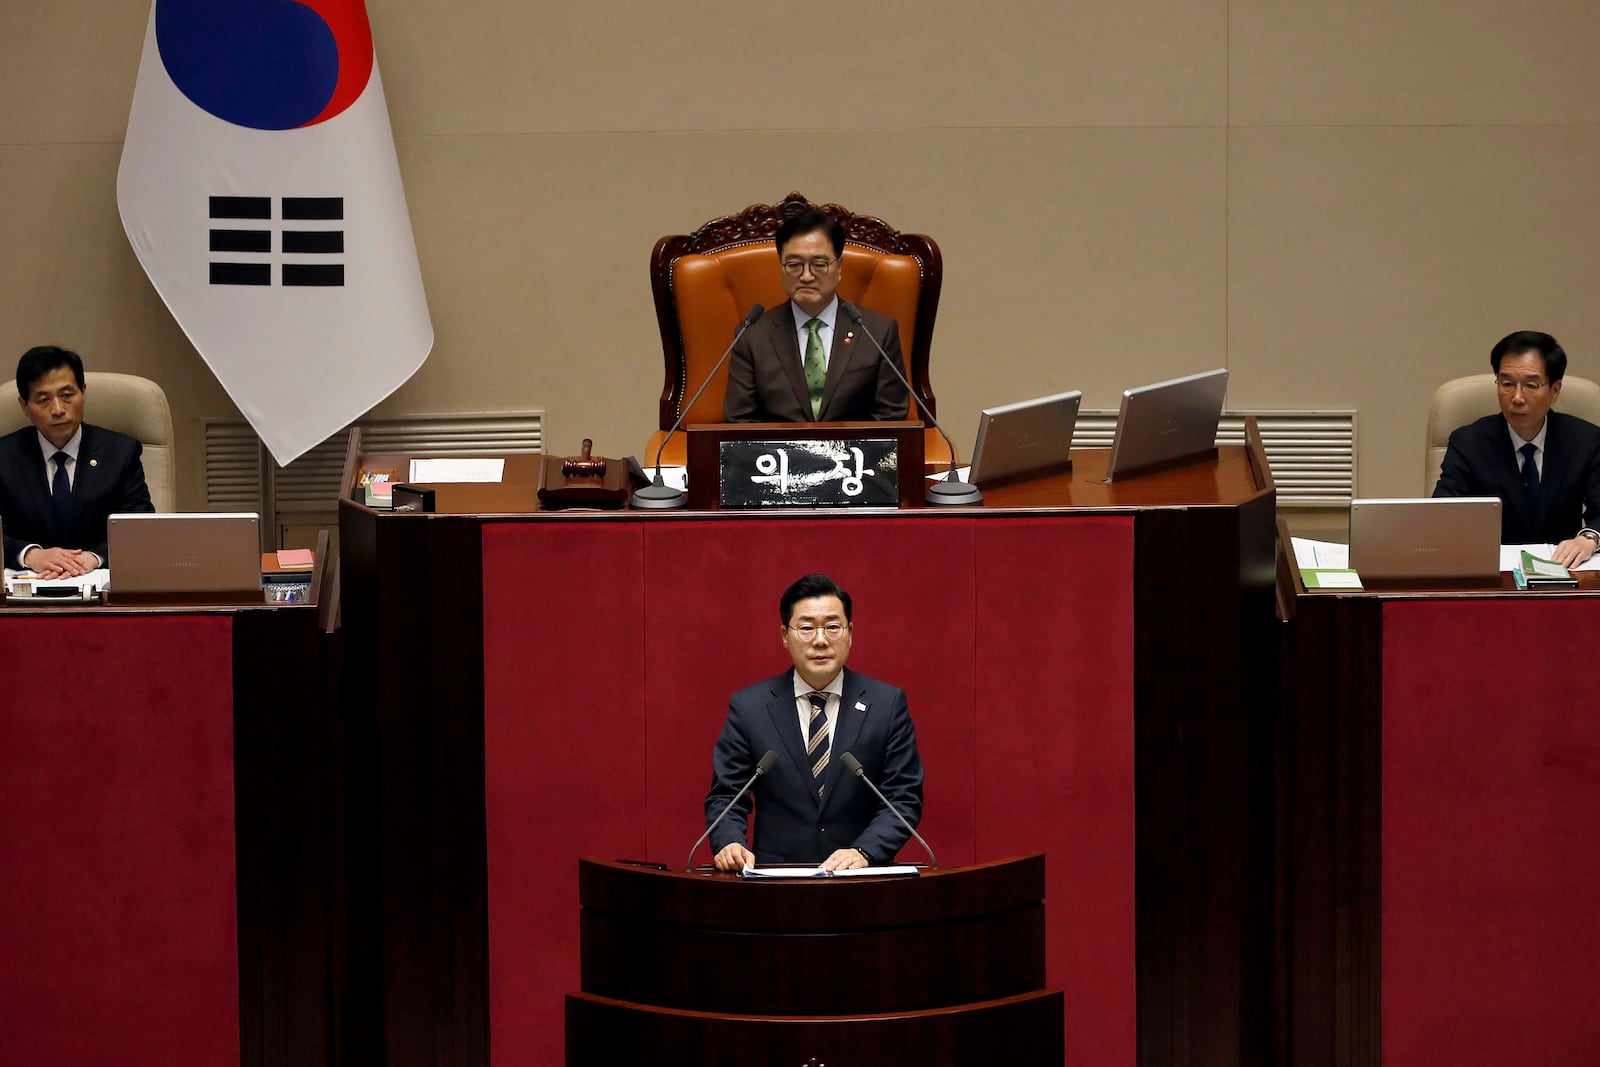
{"points": [[705, 281], [127, 404], [1463, 400]]}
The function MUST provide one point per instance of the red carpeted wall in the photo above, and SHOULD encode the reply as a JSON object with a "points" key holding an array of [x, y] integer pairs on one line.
{"points": [[1491, 814], [610, 650], [118, 929]]}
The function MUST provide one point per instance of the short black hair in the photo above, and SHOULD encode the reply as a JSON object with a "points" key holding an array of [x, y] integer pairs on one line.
{"points": [[1524, 341], [810, 586], [810, 221], [40, 360]]}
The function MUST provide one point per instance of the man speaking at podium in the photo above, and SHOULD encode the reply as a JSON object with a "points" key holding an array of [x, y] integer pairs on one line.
{"points": [[60, 480], [809, 809], [802, 361]]}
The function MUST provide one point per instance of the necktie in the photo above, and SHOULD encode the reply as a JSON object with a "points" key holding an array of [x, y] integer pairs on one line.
{"points": [[817, 739], [816, 366], [1530, 476], [61, 493]]}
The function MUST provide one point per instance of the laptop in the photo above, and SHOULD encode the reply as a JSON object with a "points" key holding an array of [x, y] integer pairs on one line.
{"points": [[214, 556], [1446, 537], [1163, 424], [1025, 438]]}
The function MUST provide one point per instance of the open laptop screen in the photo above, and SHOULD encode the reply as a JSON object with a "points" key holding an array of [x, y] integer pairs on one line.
{"points": [[1444, 537], [1166, 423], [1028, 437], [184, 553]]}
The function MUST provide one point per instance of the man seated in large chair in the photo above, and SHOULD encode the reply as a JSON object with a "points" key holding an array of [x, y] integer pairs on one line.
{"points": [[703, 281], [1543, 465], [802, 361]]}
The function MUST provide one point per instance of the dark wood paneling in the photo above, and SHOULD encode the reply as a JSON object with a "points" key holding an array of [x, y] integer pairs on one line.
{"points": [[413, 626], [1332, 761], [1204, 693], [290, 833]]}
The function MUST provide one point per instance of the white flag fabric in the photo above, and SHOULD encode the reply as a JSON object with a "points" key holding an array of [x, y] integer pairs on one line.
{"points": [[260, 190]]}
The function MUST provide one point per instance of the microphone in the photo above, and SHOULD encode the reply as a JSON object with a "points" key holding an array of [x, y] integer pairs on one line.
{"points": [[764, 765], [658, 494], [853, 765], [951, 491]]}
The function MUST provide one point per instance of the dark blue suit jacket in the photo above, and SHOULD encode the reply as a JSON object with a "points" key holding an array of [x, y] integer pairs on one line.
{"points": [[109, 481], [792, 825], [1481, 462]]}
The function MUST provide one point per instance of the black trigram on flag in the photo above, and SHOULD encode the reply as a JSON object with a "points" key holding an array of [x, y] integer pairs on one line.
{"points": [[242, 238]]}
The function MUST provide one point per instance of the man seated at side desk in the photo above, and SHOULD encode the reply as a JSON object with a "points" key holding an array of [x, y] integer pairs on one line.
{"points": [[802, 361], [809, 809], [60, 478], [1543, 465]]}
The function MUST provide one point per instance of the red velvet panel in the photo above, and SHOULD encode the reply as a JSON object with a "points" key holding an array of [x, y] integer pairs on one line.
{"points": [[1055, 752], [1012, 637], [564, 755], [1491, 814], [118, 926]]}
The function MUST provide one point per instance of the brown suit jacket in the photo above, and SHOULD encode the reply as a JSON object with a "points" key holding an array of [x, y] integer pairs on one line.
{"points": [[766, 382]]}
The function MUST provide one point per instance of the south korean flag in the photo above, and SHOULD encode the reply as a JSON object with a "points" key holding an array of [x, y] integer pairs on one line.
{"points": [[260, 190]]}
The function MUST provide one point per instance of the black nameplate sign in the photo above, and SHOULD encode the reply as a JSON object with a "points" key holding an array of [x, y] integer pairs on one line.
{"points": [[811, 474]]}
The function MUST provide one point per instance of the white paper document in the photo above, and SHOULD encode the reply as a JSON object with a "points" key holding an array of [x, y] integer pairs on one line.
{"points": [[1511, 557], [448, 471], [963, 474], [1320, 555], [893, 871]]}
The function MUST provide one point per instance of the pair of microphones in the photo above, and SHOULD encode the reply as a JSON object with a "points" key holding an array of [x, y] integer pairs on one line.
{"points": [[950, 491], [767, 761]]}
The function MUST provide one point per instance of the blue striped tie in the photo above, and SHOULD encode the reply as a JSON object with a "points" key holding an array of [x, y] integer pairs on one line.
{"points": [[817, 739]]}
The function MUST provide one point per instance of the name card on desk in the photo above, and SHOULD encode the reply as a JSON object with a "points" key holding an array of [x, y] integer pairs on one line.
{"points": [[862, 472]]}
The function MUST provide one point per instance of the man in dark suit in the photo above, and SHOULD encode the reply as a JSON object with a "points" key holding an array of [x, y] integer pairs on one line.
{"points": [[803, 361], [809, 809], [60, 479], [1543, 465]]}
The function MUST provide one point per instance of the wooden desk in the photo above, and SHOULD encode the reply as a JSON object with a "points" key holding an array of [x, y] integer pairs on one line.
{"points": [[170, 833], [1440, 800], [1087, 669]]}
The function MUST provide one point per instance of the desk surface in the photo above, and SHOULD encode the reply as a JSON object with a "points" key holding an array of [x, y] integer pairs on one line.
{"points": [[1231, 479]]}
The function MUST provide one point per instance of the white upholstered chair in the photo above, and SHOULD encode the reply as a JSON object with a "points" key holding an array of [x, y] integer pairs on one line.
{"points": [[1463, 400], [127, 404]]}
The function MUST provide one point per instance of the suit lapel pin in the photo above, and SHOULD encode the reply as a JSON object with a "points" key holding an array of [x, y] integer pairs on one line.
{"points": [[860, 706], [848, 338], [94, 463]]}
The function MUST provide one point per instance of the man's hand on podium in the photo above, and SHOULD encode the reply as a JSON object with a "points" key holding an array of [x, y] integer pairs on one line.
{"points": [[843, 860], [735, 857]]}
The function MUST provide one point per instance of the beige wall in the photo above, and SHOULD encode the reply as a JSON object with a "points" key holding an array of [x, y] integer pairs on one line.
{"points": [[1344, 203]]}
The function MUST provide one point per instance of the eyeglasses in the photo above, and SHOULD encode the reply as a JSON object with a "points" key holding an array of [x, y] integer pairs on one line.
{"points": [[818, 265], [1507, 386], [807, 633]]}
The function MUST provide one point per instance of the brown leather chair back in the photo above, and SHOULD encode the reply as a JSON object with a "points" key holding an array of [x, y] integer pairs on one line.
{"points": [[705, 282]]}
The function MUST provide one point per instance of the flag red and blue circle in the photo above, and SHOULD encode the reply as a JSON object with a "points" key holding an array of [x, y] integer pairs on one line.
{"points": [[267, 64]]}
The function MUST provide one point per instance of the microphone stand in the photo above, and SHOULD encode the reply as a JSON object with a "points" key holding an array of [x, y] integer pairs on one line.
{"points": [[658, 495], [952, 491]]}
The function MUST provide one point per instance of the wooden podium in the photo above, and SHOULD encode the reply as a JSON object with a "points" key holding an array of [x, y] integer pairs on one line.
{"points": [[708, 968]]}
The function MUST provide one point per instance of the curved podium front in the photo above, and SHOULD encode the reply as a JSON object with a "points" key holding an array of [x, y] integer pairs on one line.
{"points": [[946, 967]]}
